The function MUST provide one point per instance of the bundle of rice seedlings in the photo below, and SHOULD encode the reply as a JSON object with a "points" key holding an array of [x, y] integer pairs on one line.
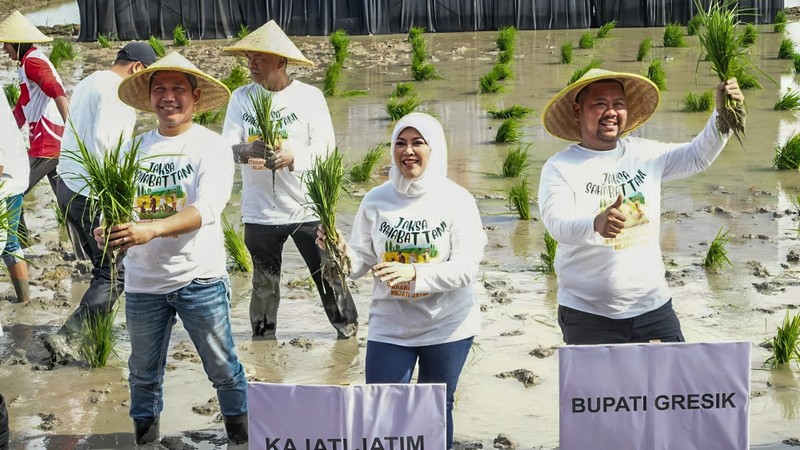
{"points": [[673, 36], [179, 36], [656, 74], [586, 41], [746, 79], [515, 111], [692, 102], [796, 63], [749, 35], [415, 33], [104, 40], [509, 132], [340, 42], [506, 39], [516, 161], [519, 198], [63, 50], [363, 169], [644, 49], [786, 50], [785, 344], [694, 24], [566, 53], [717, 255], [790, 101], [397, 108], [549, 256], [502, 71], [206, 118], [787, 156], [238, 77], [324, 183], [424, 71], [269, 128], [605, 29], [12, 93], [61, 223], [488, 84], [402, 90], [505, 57], [244, 30], [780, 21], [578, 73], [330, 82], [97, 337], [157, 45], [238, 256]]}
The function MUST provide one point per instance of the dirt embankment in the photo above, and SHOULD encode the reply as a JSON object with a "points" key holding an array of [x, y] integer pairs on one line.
{"points": [[9, 6]]}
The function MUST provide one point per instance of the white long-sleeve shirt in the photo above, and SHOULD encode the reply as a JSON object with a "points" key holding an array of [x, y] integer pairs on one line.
{"points": [[13, 155], [192, 169], [622, 277]]}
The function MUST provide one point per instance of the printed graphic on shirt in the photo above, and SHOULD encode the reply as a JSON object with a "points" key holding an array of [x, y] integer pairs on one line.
{"points": [[411, 241], [633, 206], [253, 134], [160, 193], [159, 204]]}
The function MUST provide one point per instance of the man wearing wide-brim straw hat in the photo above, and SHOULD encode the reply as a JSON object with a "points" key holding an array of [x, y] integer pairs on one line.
{"points": [[175, 261], [274, 201], [600, 198]]}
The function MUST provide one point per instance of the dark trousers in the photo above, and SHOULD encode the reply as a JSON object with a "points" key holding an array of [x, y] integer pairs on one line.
{"points": [[40, 167], [580, 328], [265, 244], [98, 298]]}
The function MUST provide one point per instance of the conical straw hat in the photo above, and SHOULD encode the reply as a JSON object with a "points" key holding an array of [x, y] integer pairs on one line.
{"points": [[642, 98], [135, 90], [269, 38], [17, 29]]}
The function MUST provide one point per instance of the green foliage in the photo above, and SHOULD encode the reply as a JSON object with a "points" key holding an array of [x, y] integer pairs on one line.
{"points": [[424, 72], [692, 102], [516, 161], [749, 35], [330, 82], [510, 131], [238, 77], [157, 45], [717, 255], [340, 41], [786, 50], [796, 63], [238, 256], [244, 30], [12, 93], [604, 30], [780, 21], [785, 344], [656, 74], [415, 32], [363, 169], [397, 108], [269, 128], [105, 40], [566, 53], [206, 118], [514, 111], [746, 79], [586, 41], [694, 24], [402, 90], [97, 337], [644, 49], [505, 57], [502, 71], [787, 156], [673, 36], [790, 101], [63, 50], [179, 36], [519, 198], [488, 84], [506, 39], [549, 256], [578, 73]]}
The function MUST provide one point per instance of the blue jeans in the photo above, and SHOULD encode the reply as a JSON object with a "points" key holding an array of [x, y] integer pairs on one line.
{"points": [[204, 308], [441, 363], [12, 251]]}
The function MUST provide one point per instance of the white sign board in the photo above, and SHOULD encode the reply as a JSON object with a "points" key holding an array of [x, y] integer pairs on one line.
{"points": [[655, 396], [361, 417]]}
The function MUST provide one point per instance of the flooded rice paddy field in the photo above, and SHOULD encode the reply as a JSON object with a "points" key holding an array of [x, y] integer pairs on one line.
{"points": [[74, 407]]}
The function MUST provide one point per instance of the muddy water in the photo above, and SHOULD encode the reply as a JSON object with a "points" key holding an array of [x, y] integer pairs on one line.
{"points": [[57, 13], [751, 200]]}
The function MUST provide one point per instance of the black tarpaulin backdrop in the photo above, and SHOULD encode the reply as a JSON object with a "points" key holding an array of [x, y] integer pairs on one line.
{"points": [[214, 19]]}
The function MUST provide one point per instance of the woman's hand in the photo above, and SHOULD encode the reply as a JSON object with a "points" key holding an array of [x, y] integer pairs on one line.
{"points": [[321, 237], [393, 273], [125, 236]]}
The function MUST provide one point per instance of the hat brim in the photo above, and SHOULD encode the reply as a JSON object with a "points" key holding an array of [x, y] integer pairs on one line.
{"points": [[240, 51], [642, 99], [135, 90], [17, 29]]}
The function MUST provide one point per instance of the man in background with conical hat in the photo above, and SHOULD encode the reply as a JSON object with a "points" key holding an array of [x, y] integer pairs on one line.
{"points": [[272, 212], [600, 198], [175, 262]]}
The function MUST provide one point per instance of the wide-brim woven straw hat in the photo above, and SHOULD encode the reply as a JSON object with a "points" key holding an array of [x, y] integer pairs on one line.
{"points": [[269, 38], [17, 29], [642, 98], [135, 90]]}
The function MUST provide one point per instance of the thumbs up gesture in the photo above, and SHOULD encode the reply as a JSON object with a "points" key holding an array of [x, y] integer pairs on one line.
{"points": [[610, 222]]}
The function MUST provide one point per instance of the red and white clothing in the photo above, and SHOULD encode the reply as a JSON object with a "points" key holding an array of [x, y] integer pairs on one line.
{"points": [[40, 85]]}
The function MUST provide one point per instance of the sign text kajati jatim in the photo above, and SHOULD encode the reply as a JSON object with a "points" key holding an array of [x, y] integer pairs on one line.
{"points": [[372, 443]]}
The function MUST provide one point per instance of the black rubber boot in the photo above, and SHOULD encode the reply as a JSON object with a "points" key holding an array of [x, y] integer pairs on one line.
{"points": [[145, 430], [236, 428]]}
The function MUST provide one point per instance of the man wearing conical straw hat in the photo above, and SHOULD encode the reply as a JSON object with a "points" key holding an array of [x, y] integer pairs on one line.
{"points": [[600, 198], [273, 202], [175, 261]]}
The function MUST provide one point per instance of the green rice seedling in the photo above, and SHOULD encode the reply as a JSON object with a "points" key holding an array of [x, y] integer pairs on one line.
{"points": [[694, 24], [717, 255], [157, 45], [105, 40], [548, 258], [238, 256], [330, 82], [644, 49], [749, 35], [270, 130], [63, 50], [515, 111], [424, 72], [238, 77], [746, 79], [578, 73], [415, 33], [507, 39], [786, 50], [504, 57], [419, 49], [340, 42], [796, 63], [324, 184], [402, 90], [12, 93], [656, 74], [397, 108], [790, 101], [179, 36], [362, 170], [787, 156], [516, 161], [519, 198], [692, 102], [207, 118], [586, 41], [673, 36], [244, 30], [780, 21], [605, 29], [785, 344], [502, 71], [566, 53], [488, 84], [97, 337], [509, 132]]}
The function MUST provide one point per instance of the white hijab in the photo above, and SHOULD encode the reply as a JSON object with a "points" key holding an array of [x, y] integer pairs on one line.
{"points": [[436, 170]]}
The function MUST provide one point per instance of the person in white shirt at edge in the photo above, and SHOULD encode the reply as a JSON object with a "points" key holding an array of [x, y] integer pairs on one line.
{"points": [[421, 235], [601, 200], [100, 120], [176, 264], [14, 174], [272, 212]]}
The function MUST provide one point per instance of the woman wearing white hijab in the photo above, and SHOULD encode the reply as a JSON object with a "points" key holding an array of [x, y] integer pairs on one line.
{"points": [[421, 235]]}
